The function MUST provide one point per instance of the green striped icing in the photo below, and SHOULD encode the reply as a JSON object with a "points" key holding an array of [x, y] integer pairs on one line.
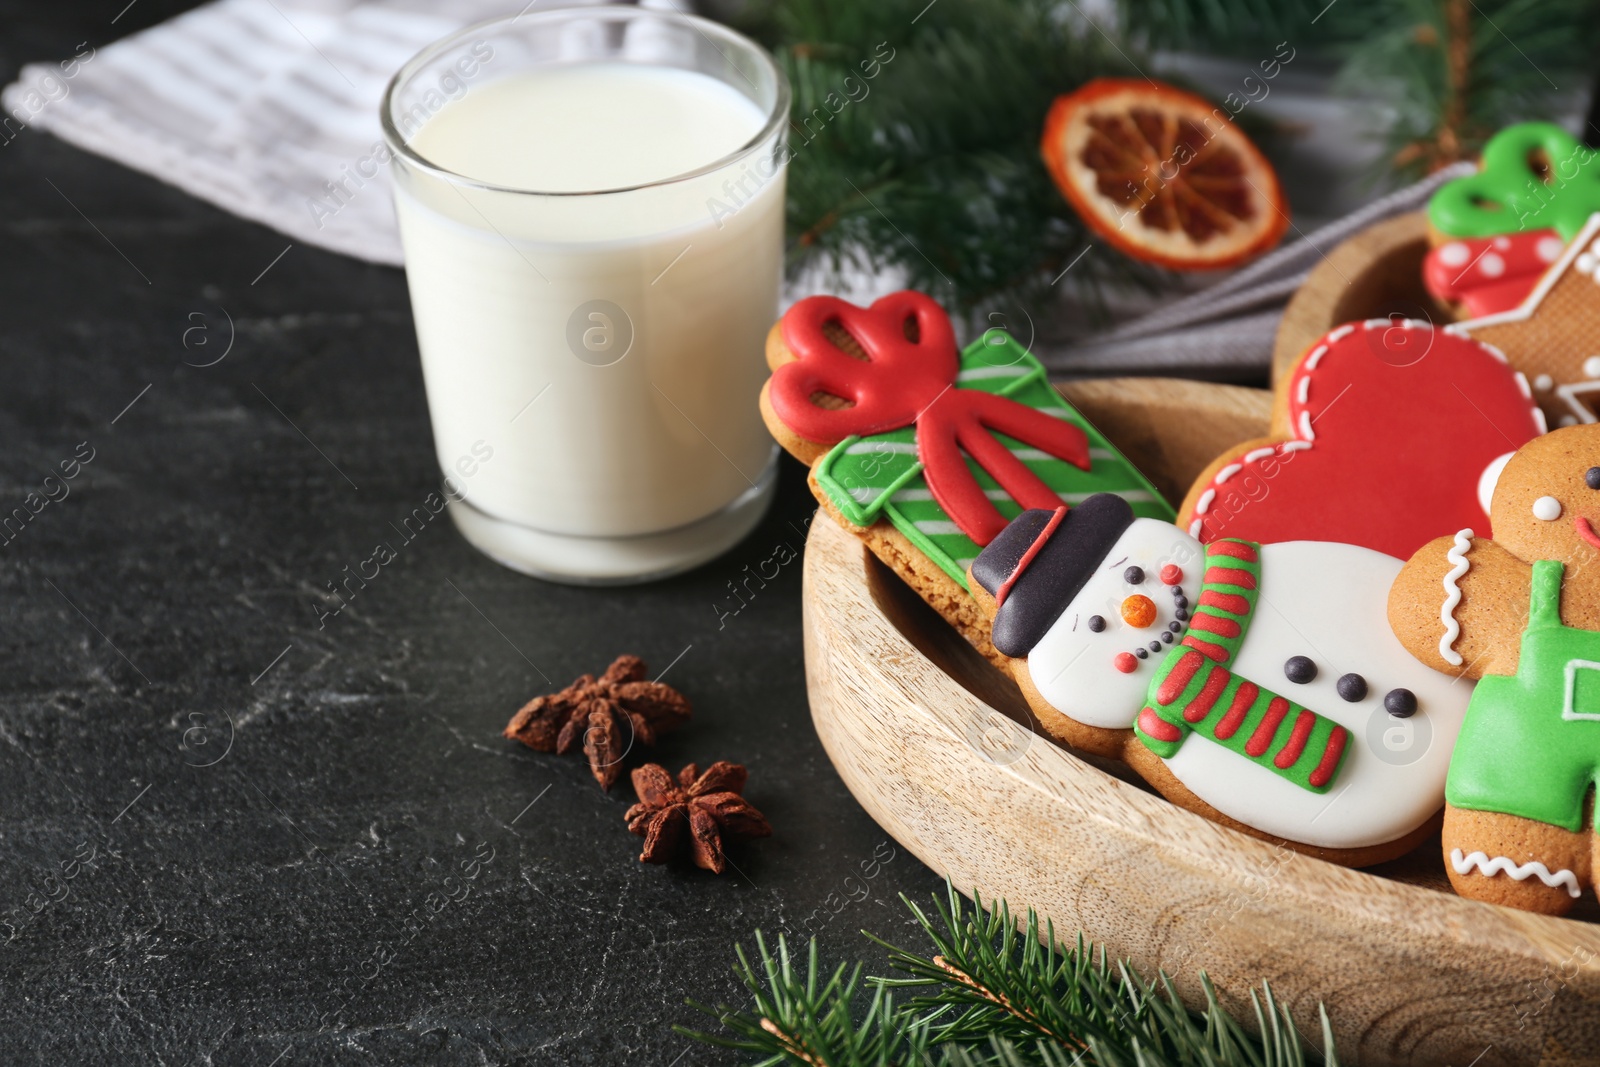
{"points": [[868, 478]]}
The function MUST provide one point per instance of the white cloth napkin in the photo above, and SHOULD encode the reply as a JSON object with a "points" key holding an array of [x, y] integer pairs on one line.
{"points": [[269, 109], [266, 108]]}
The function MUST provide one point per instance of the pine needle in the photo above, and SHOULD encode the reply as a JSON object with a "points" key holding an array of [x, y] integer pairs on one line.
{"points": [[993, 994]]}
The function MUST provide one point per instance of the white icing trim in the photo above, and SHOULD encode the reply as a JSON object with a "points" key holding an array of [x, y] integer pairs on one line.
{"points": [[977, 373], [1569, 394], [1570, 677], [1487, 867], [902, 447], [1538, 416], [1203, 505], [1316, 356], [1305, 426], [1228, 472], [1260, 453], [1340, 333], [1295, 446], [1447, 611], [1522, 382], [1195, 527], [1495, 351], [1376, 324], [1305, 388]]}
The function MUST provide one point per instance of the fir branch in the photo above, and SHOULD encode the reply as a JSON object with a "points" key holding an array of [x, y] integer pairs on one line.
{"points": [[930, 166], [1488, 64], [994, 995], [809, 1020]]}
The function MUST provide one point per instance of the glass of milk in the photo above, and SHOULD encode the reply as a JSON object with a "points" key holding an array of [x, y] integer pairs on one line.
{"points": [[591, 204]]}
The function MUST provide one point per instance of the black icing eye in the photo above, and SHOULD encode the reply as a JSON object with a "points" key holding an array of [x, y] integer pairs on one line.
{"points": [[1299, 669], [1401, 703], [1591, 477], [1352, 687], [1133, 575], [1097, 623]]}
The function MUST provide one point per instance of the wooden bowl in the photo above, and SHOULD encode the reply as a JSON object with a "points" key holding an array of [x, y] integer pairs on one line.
{"points": [[1372, 275], [940, 749]]}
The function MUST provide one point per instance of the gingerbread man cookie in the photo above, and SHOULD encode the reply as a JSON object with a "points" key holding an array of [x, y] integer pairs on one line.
{"points": [[926, 450], [1521, 613], [1258, 685]]}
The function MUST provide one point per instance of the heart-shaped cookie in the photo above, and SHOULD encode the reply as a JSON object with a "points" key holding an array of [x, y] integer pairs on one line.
{"points": [[1387, 434]]}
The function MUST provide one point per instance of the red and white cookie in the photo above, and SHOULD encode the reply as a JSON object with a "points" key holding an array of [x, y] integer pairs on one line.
{"points": [[1488, 275], [1384, 436]]}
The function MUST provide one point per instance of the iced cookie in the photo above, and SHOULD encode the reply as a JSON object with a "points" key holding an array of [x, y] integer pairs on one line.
{"points": [[1521, 613], [1476, 276], [1380, 437], [925, 450], [1532, 176], [1258, 685], [1553, 337]]}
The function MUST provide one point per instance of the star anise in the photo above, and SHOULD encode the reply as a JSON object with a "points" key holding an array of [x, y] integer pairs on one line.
{"points": [[705, 807], [608, 713]]}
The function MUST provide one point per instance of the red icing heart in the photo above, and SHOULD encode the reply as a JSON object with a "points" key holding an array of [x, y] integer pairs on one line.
{"points": [[1488, 275], [1393, 425]]}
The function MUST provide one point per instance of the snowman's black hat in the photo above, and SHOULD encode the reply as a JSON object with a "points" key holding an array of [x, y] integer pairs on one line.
{"points": [[1041, 560]]}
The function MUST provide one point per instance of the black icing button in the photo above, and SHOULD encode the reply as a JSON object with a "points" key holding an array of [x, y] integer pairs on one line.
{"points": [[1352, 687], [1182, 615], [1133, 575], [1155, 646], [1299, 669], [1097, 623], [1401, 703], [1174, 626], [1141, 653], [1166, 638], [1591, 477]]}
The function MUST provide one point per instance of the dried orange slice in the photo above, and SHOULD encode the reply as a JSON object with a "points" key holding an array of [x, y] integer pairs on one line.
{"points": [[1163, 175]]}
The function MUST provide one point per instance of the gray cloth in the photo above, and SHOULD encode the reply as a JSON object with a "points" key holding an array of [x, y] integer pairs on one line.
{"points": [[1227, 329]]}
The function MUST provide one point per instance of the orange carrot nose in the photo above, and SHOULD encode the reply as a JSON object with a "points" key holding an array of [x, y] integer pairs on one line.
{"points": [[1139, 611]]}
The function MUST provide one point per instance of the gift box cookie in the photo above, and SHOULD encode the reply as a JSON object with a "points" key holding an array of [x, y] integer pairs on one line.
{"points": [[925, 449]]}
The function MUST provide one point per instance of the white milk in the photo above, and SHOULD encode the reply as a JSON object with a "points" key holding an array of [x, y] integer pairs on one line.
{"points": [[607, 347]]}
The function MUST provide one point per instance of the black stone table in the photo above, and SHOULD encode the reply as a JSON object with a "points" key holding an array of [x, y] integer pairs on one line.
{"points": [[240, 830]]}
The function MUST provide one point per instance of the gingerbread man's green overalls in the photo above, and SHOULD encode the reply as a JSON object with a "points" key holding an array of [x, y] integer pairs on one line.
{"points": [[1530, 745]]}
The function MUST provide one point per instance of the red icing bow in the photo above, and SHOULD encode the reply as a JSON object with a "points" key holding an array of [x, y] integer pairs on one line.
{"points": [[904, 382]]}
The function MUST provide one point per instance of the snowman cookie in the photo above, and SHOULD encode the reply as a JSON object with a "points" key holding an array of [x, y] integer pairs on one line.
{"points": [[1258, 685], [1520, 613]]}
